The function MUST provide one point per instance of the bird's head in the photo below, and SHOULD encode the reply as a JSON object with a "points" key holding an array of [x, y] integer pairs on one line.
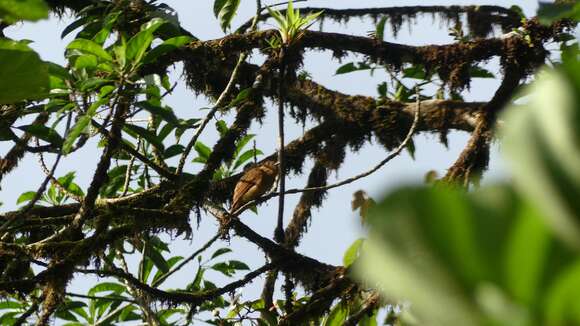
{"points": [[270, 167]]}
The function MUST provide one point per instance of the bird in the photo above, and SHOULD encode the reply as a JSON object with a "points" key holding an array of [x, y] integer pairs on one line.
{"points": [[254, 183]]}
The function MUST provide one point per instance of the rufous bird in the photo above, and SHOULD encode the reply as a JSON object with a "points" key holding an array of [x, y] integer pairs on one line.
{"points": [[254, 183]]}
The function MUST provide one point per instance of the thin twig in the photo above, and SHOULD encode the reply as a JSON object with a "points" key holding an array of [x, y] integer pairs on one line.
{"points": [[162, 279], [93, 297], [128, 172], [279, 232], [219, 104]]}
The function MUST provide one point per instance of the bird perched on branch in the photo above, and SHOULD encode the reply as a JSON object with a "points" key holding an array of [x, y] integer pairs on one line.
{"points": [[254, 183]]}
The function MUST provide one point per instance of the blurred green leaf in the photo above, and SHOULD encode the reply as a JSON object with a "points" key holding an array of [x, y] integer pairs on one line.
{"points": [[241, 97], [550, 12], [220, 252], [202, 150], [541, 145], [90, 47], [351, 254], [337, 315], [162, 111], [352, 66], [247, 155], [225, 10], [29, 78], [86, 61], [236, 264], [380, 29], [74, 25], [166, 47], [416, 72], [139, 43], [477, 72], [80, 126], [146, 134], [173, 150], [42, 132], [14, 10], [221, 127], [467, 258]]}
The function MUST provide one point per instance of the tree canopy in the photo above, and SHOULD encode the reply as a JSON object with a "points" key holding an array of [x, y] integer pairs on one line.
{"points": [[436, 254]]}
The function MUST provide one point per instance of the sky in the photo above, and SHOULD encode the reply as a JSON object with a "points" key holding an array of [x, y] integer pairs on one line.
{"points": [[334, 226]]}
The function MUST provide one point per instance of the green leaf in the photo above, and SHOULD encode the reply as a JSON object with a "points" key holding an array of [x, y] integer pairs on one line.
{"points": [[477, 72], [351, 254], [415, 72], [173, 150], [563, 298], [350, 67], [337, 315], [380, 30], [94, 83], [220, 252], [146, 134], [158, 260], [369, 320], [120, 52], [29, 78], [108, 23], [241, 97], [42, 132], [236, 264], [170, 263], [165, 131], [90, 47], [529, 235], [106, 287], [221, 127], [382, 89], [223, 268], [80, 126], [67, 182], [241, 143], [202, 150], [225, 10], [164, 112], [14, 10], [166, 47], [138, 44], [10, 305], [74, 25], [86, 61], [247, 155], [411, 148], [58, 71]]}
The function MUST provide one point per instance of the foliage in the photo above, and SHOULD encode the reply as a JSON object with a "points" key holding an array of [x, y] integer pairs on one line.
{"points": [[291, 25]]}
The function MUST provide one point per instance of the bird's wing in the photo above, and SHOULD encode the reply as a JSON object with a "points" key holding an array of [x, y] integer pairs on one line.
{"points": [[249, 180]]}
